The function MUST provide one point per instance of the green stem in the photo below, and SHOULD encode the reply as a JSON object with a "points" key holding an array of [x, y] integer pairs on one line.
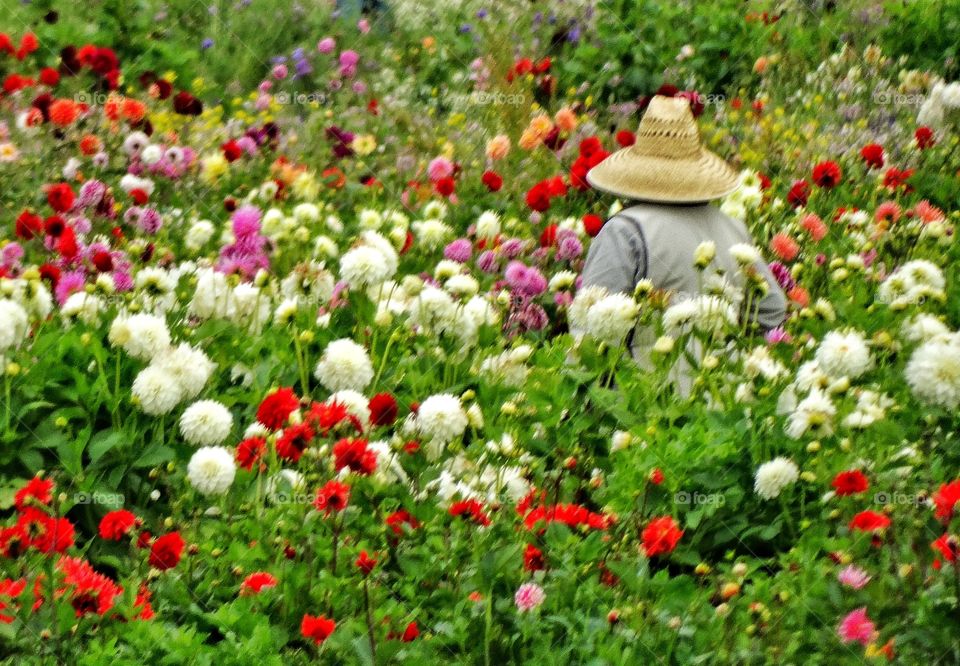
{"points": [[370, 636], [383, 362], [7, 410], [487, 627], [301, 364]]}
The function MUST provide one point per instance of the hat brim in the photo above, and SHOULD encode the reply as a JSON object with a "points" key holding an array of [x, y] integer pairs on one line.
{"points": [[626, 174]]}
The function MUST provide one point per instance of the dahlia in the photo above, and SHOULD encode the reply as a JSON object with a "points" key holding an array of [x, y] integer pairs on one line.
{"points": [[206, 423], [528, 597], [117, 524], [441, 418], [276, 408], [850, 483], [772, 477], [156, 390], [344, 365], [844, 354], [856, 626], [355, 455], [853, 577], [827, 174], [660, 536], [211, 470], [612, 318], [869, 521], [317, 628], [332, 497], [257, 582], [933, 372], [15, 325]]}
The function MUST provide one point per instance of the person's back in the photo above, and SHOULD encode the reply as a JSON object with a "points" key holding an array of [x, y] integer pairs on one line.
{"points": [[658, 242]]}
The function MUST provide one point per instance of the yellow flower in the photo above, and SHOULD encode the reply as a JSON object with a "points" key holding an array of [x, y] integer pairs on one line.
{"points": [[363, 144], [213, 166]]}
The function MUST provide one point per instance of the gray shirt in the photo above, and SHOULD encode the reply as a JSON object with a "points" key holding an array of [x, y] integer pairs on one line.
{"points": [[658, 242]]}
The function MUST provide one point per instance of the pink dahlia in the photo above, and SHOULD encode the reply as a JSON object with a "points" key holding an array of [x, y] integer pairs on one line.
{"points": [[528, 597], [856, 626]]}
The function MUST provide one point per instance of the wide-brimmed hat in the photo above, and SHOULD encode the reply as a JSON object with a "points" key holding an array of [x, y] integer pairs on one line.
{"points": [[666, 163]]}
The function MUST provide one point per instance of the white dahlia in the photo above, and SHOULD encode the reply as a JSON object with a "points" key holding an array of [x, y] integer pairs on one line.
{"points": [[844, 354], [612, 318], [363, 266], [772, 477], [933, 372], [344, 365], [189, 367], [143, 336], [13, 328], [582, 302], [206, 423], [441, 418], [156, 390], [813, 413], [211, 470]]}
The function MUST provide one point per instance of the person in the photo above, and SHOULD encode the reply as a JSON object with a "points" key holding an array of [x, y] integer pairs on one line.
{"points": [[670, 180]]}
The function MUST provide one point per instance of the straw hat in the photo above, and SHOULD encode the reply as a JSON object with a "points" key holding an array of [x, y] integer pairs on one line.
{"points": [[667, 163]]}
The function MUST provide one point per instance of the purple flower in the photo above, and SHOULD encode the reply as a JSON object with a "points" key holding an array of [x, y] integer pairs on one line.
{"points": [[459, 251], [326, 45], [149, 221], [782, 273], [69, 283], [777, 335], [487, 261], [12, 253], [525, 279], [206, 44], [246, 221], [569, 247]]}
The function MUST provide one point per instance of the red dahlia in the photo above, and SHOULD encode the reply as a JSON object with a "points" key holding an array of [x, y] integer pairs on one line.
{"points": [[799, 193], [492, 180], [249, 451], [850, 483], [317, 628], [117, 524], [355, 455], [166, 551], [333, 497], [276, 408], [827, 174], [945, 499], [869, 521], [872, 155], [256, 583], [293, 441], [660, 536], [36, 489], [365, 563], [383, 409]]}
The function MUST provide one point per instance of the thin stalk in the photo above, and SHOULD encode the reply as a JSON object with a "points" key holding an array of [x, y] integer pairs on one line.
{"points": [[370, 636]]}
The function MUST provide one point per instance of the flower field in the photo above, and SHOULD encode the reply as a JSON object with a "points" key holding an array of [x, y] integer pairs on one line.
{"points": [[296, 365]]}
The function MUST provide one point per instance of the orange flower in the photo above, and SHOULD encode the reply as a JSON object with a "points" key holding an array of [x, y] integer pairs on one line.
{"points": [[800, 296], [111, 108], [566, 119], [63, 112], [89, 144], [784, 247], [133, 110], [541, 125]]}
